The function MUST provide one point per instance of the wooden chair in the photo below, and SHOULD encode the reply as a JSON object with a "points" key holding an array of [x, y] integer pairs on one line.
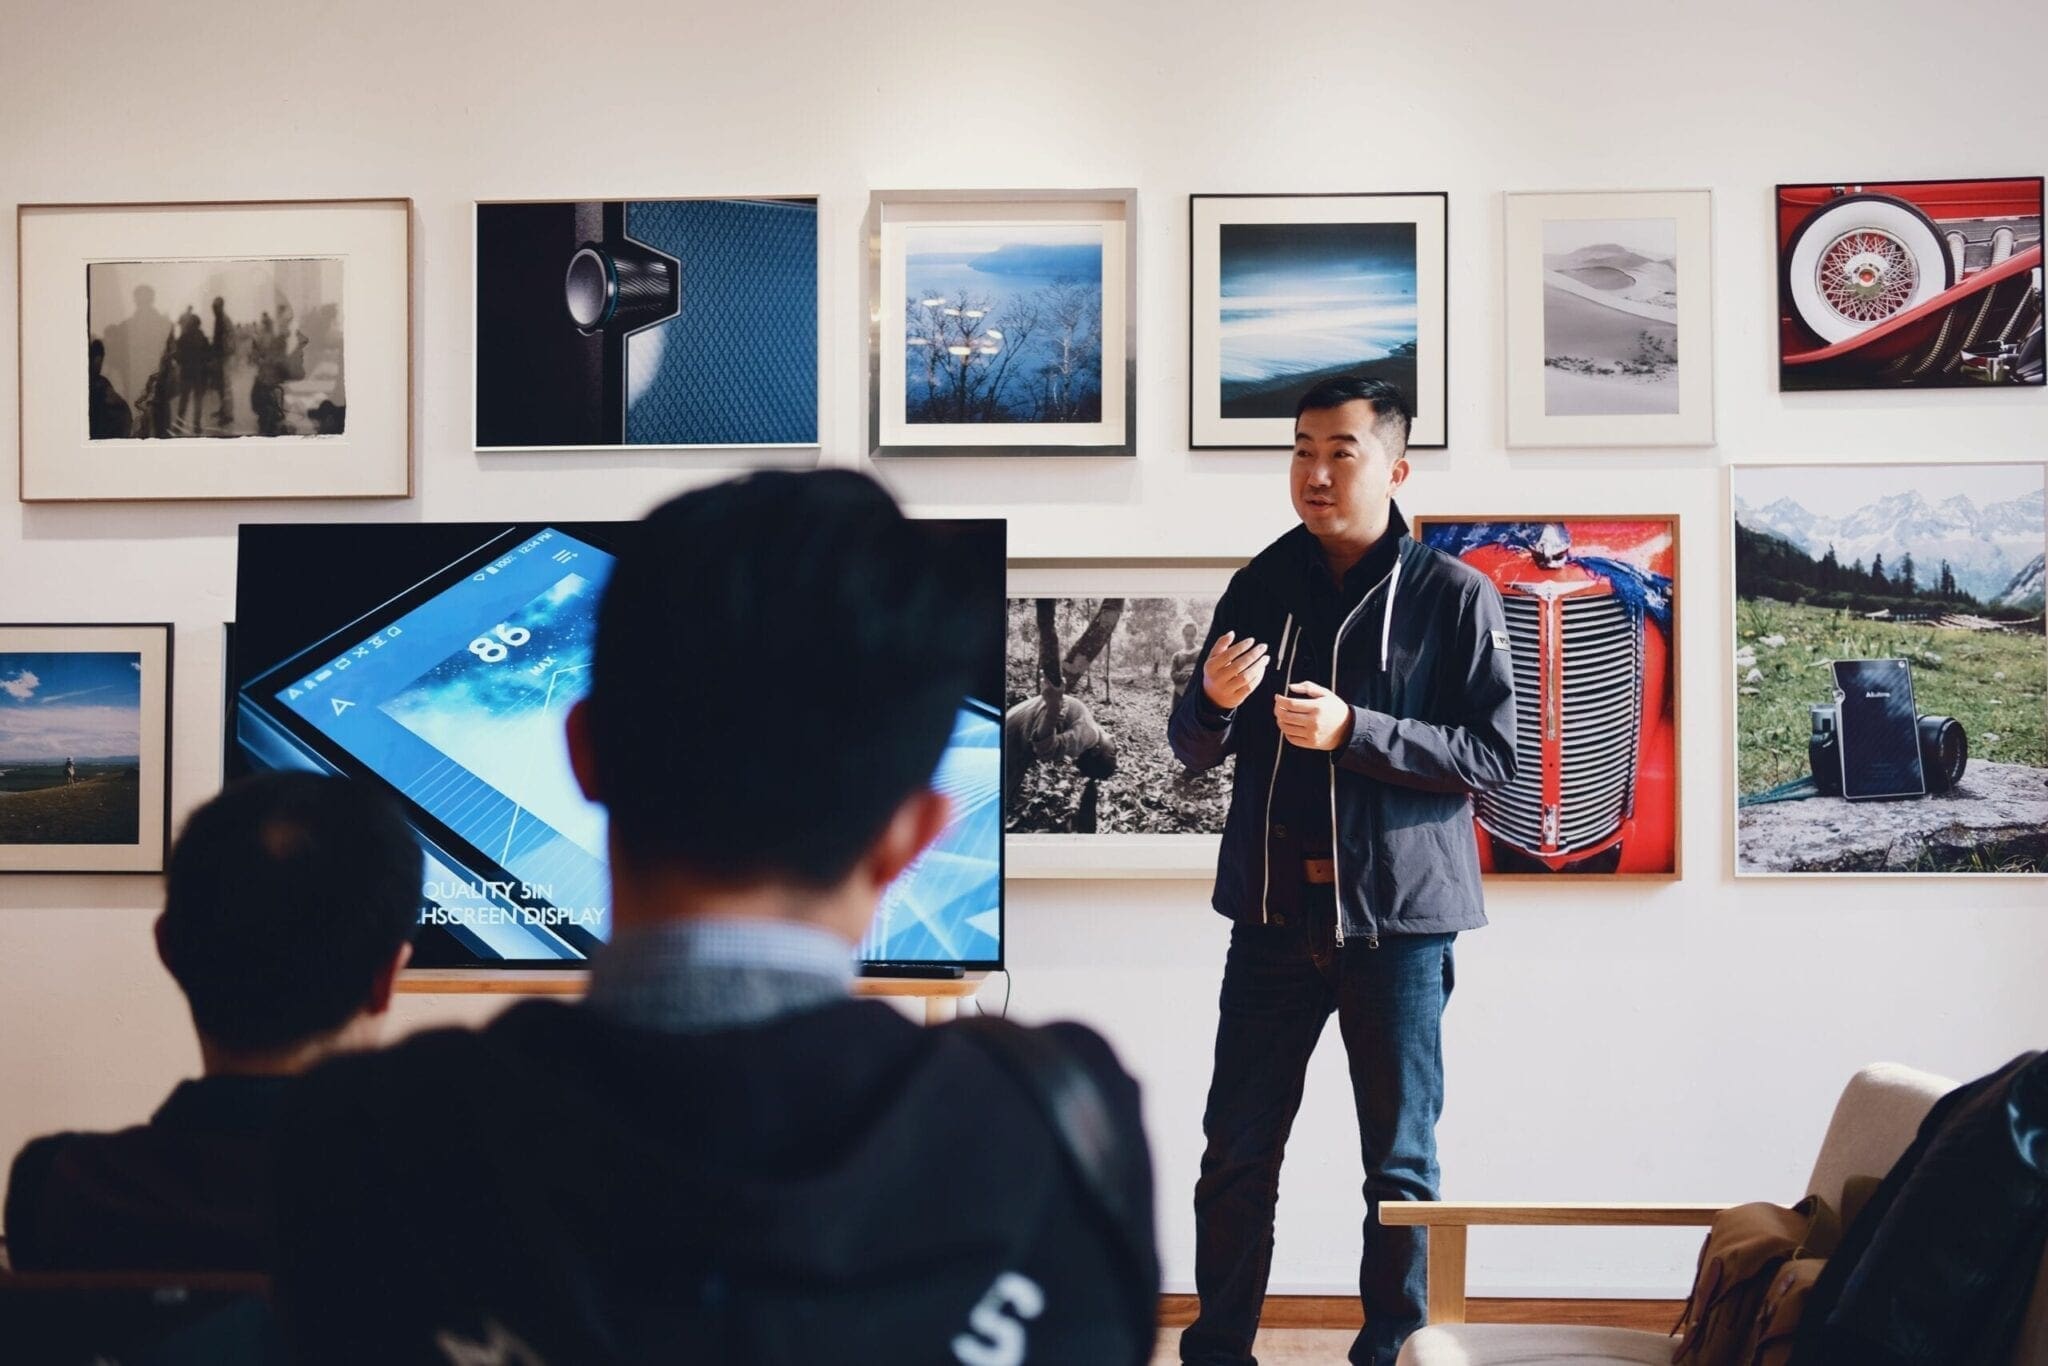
{"points": [[1874, 1122]]}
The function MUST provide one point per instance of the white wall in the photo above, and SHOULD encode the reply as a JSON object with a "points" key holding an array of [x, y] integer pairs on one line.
{"points": [[1615, 1042]]}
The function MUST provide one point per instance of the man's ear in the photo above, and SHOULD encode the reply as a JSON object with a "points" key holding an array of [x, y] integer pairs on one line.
{"points": [[918, 821], [1397, 474], [386, 982], [583, 750]]}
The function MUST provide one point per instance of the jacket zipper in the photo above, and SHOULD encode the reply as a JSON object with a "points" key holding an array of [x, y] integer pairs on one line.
{"points": [[1266, 845], [1372, 938]]}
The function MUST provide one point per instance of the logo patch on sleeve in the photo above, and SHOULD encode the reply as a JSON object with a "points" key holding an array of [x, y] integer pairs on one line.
{"points": [[1500, 640]]}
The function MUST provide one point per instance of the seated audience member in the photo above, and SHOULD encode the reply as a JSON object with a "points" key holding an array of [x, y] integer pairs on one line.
{"points": [[291, 907], [719, 1156]]}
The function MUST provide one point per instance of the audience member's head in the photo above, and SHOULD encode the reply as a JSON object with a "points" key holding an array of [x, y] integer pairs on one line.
{"points": [[780, 661], [292, 905]]}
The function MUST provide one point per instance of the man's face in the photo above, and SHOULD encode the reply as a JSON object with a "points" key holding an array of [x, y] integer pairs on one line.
{"points": [[1343, 476], [1187, 633]]}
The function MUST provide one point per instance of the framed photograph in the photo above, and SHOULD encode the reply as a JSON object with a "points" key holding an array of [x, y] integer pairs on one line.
{"points": [[1909, 284], [1592, 613], [1002, 322], [646, 322], [85, 745], [230, 350], [1287, 290], [1099, 653], [1890, 669], [1610, 318]]}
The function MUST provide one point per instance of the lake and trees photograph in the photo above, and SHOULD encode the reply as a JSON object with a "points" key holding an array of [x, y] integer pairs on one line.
{"points": [[1003, 323], [70, 747], [1305, 302], [229, 348], [1939, 566], [1610, 316], [1090, 685]]}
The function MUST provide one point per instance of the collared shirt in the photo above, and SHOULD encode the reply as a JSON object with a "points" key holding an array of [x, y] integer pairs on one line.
{"points": [[692, 976]]}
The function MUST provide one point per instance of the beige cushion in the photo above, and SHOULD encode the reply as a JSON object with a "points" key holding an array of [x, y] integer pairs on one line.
{"points": [[1876, 1118], [1534, 1344]]}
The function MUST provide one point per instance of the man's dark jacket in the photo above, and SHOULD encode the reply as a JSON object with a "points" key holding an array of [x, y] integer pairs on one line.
{"points": [[184, 1192], [1425, 664], [838, 1184]]}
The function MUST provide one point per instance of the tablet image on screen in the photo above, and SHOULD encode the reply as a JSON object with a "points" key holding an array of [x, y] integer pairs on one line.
{"points": [[1879, 733], [448, 689]]}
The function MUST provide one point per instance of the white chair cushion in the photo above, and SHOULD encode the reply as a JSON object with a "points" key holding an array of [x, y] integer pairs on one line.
{"points": [[1535, 1344]]}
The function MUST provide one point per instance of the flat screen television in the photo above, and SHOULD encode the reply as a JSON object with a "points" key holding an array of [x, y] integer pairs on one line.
{"points": [[438, 660]]}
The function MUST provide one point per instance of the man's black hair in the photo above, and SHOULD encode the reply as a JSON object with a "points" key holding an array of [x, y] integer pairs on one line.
{"points": [[288, 893], [780, 661], [1392, 414]]}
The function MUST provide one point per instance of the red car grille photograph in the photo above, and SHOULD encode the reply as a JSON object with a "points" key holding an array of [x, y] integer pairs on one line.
{"points": [[1578, 680]]}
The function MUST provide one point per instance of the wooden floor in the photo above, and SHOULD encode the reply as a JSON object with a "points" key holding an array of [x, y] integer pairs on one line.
{"points": [[1299, 1329]]}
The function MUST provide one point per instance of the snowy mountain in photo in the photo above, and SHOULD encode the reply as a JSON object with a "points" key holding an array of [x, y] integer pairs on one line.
{"points": [[1989, 548], [2026, 587]]}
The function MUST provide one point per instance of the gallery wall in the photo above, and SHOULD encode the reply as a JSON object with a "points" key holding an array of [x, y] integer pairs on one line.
{"points": [[1608, 1042]]}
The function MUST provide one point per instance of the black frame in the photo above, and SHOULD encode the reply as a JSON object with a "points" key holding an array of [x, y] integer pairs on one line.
{"points": [[169, 629], [1444, 195]]}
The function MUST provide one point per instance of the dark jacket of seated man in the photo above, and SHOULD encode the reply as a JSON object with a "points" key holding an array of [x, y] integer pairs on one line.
{"points": [[291, 905], [719, 1156]]}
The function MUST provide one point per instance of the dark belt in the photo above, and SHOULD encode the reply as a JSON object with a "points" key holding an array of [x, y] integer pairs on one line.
{"points": [[1319, 871]]}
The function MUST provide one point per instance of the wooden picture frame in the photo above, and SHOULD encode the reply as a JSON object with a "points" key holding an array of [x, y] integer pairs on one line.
{"points": [[1618, 813], [1822, 568]]}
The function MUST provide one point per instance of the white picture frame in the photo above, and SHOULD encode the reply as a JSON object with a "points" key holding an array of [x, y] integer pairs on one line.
{"points": [[900, 221], [1646, 375], [1110, 853], [508, 321], [367, 243], [1994, 682]]}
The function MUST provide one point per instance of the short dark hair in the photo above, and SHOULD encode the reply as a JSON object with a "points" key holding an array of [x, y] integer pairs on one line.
{"points": [[780, 661], [288, 893], [1392, 413]]}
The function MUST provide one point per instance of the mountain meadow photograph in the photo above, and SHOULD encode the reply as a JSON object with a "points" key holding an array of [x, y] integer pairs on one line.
{"points": [[1938, 566]]}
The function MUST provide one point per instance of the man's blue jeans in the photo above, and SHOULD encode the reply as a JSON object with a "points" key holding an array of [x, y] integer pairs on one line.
{"points": [[1280, 985]]}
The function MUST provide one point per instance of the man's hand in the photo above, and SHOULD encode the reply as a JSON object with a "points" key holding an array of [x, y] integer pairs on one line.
{"points": [[1233, 670], [1317, 719]]}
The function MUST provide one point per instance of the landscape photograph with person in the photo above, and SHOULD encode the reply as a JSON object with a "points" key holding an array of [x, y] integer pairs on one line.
{"points": [[70, 745]]}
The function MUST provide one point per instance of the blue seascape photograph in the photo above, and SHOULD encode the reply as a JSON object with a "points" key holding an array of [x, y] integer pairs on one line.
{"points": [[1304, 302], [1003, 323]]}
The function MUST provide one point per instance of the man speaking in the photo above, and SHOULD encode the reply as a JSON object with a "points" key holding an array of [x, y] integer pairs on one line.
{"points": [[1364, 683]]}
